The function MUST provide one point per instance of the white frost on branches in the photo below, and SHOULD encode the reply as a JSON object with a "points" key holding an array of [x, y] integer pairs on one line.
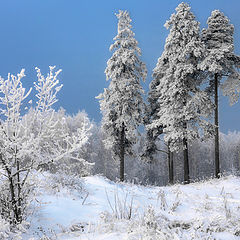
{"points": [[231, 87], [220, 58], [27, 142], [178, 104], [47, 89]]}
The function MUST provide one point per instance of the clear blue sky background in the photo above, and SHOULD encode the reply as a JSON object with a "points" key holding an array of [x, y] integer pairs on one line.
{"points": [[75, 35]]}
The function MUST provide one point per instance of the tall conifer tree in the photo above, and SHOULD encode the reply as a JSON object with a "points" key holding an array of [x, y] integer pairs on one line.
{"points": [[121, 103], [177, 77], [220, 61]]}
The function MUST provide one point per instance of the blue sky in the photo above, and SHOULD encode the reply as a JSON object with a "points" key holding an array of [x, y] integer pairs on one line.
{"points": [[75, 35]]}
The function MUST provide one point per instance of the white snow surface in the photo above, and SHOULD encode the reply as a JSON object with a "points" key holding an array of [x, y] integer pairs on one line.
{"points": [[212, 204]]}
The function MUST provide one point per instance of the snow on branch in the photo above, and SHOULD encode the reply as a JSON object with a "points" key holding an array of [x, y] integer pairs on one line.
{"points": [[47, 88]]}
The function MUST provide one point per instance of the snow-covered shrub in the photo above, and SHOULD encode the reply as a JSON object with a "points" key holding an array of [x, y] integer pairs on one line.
{"points": [[4, 229], [7, 233], [149, 218], [6, 204], [71, 183]]}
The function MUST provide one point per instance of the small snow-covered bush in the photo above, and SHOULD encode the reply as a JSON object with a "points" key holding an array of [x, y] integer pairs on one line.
{"points": [[4, 229], [71, 183], [7, 232], [60, 183]]}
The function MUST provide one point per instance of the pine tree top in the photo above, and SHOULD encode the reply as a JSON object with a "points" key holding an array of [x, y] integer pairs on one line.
{"points": [[219, 33], [127, 52]]}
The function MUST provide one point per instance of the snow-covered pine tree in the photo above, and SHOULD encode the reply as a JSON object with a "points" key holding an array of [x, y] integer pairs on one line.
{"points": [[220, 61], [121, 103], [177, 77]]}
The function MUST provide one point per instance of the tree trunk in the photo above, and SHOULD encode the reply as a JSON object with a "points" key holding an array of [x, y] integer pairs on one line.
{"points": [[186, 162], [185, 157], [217, 162], [122, 152], [16, 219], [14, 207], [170, 165], [19, 202]]}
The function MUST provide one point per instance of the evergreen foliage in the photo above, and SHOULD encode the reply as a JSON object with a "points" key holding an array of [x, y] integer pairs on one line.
{"points": [[220, 61], [181, 105], [121, 103]]}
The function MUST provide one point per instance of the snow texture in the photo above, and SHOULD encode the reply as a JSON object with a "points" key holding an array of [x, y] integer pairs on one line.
{"points": [[205, 210]]}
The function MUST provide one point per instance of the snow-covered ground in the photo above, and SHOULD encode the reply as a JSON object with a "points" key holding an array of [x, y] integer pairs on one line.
{"points": [[105, 210]]}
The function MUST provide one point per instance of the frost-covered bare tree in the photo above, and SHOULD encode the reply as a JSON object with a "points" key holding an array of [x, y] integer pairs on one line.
{"points": [[39, 139], [220, 62], [121, 103], [181, 105]]}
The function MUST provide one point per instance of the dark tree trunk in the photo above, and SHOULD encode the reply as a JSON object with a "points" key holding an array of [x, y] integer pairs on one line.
{"points": [[186, 162], [185, 157], [170, 165], [14, 206], [19, 203], [15, 219], [122, 152], [217, 162]]}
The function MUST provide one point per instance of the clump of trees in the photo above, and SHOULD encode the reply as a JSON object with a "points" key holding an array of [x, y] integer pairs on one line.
{"points": [[183, 94]]}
